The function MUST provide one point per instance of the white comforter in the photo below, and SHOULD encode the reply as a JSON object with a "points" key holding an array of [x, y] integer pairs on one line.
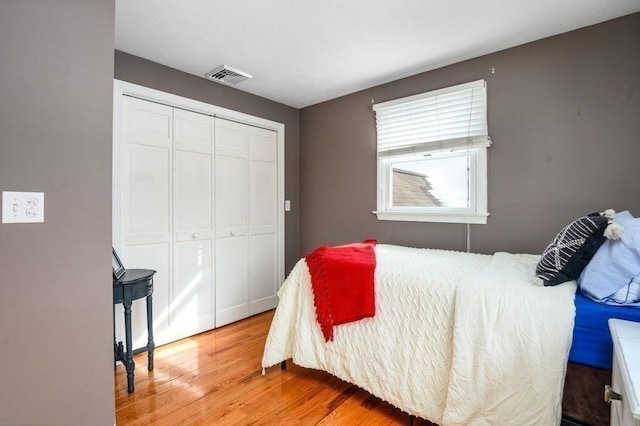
{"points": [[458, 338]]}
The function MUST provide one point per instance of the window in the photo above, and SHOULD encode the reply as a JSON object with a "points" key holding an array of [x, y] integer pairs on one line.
{"points": [[432, 156]]}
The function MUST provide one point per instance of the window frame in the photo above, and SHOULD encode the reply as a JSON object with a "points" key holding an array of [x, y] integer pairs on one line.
{"points": [[476, 213], [390, 163], [475, 148]]}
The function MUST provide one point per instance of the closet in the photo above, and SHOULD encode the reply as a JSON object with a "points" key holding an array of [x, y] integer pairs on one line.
{"points": [[196, 198]]}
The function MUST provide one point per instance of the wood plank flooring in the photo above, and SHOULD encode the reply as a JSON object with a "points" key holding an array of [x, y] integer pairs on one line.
{"points": [[215, 378]]}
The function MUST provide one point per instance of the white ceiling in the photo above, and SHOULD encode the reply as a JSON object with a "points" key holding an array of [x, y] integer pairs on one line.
{"points": [[302, 52]]}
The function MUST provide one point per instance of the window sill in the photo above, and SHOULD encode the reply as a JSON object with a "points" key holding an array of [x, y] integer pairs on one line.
{"points": [[473, 218]]}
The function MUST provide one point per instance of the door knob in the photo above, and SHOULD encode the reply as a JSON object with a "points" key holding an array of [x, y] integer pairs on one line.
{"points": [[194, 236]]}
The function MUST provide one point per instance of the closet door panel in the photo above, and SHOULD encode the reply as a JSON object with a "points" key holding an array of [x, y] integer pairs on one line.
{"points": [[231, 196], [262, 144], [192, 293], [148, 181], [230, 178], [262, 219], [232, 287], [193, 195], [145, 200], [263, 197], [231, 138], [192, 308], [147, 122], [263, 273], [193, 131]]}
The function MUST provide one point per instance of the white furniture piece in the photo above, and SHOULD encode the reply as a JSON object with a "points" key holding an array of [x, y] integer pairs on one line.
{"points": [[198, 204], [625, 384]]}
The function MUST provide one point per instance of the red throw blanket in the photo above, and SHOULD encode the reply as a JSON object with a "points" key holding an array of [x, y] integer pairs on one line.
{"points": [[342, 282]]}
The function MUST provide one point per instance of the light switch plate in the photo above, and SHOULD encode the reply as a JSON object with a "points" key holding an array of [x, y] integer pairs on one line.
{"points": [[287, 205], [22, 207]]}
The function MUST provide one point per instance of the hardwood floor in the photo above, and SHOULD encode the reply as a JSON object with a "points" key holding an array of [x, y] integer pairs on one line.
{"points": [[215, 378]]}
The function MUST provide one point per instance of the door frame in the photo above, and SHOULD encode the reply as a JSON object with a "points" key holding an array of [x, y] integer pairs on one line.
{"points": [[123, 88]]}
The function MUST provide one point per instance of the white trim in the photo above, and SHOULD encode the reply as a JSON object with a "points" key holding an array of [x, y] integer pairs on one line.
{"points": [[446, 145], [116, 158], [477, 212], [444, 217], [123, 88]]}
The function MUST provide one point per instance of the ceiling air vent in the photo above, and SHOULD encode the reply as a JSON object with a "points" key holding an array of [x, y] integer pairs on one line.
{"points": [[227, 75]]}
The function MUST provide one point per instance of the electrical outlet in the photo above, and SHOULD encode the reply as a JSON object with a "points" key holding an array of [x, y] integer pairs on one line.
{"points": [[22, 207]]}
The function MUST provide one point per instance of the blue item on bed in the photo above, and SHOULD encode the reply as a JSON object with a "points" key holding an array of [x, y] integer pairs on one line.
{"points": [[592, 344], [613, 274]]}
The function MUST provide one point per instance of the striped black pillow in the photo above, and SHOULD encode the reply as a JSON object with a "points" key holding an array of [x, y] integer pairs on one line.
{"points": [[570, 251]]}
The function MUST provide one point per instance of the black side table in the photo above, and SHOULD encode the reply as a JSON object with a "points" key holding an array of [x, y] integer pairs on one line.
{"points": [[134, 284]]}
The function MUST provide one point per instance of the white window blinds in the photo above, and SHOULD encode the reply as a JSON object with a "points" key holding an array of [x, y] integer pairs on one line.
{"points": [[446, 118]]}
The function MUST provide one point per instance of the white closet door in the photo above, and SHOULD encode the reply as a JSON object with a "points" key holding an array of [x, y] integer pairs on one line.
{"points": [[197, 199], [232, 287], [231, 170], [263, 283], [192, 295], [146, 219]]}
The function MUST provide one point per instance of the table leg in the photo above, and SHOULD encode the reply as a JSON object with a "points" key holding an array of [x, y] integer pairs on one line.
{"points": [[129, 363], [150, 344]]}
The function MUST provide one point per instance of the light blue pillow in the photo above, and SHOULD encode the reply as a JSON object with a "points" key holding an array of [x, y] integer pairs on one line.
{"points": [[628, 294], [613, 274]]}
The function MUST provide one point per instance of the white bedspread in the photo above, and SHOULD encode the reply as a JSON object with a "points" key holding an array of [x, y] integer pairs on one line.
{"points": [[457, 338], [510, 347]]}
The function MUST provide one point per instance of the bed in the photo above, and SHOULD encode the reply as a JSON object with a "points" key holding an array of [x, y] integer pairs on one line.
{"points": [[405, 353], [462, 338]]}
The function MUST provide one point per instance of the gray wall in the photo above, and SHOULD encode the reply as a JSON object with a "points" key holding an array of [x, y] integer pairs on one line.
{"points": [[564, 117], [150, 74], [563, 114], [56, 341]]}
